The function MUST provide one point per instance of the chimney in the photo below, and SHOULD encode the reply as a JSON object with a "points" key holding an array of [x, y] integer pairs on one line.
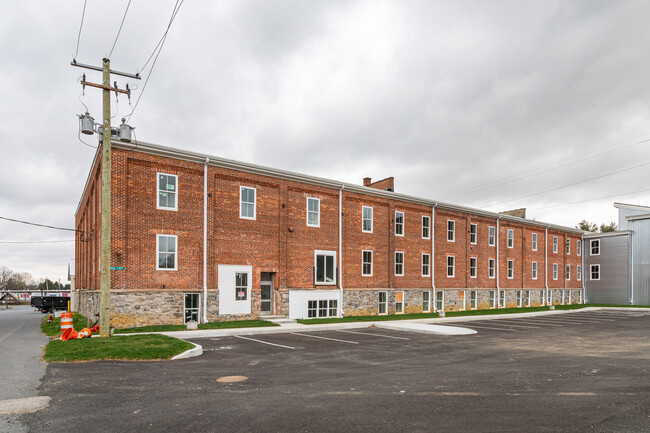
{"points": [[387, 184], [367, 181]]}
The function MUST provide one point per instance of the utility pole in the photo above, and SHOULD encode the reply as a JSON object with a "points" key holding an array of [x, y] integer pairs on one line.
{"points": [[105, 242]]}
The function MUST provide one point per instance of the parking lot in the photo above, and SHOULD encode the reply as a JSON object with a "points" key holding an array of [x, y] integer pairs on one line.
{"points": [[577, 371]]}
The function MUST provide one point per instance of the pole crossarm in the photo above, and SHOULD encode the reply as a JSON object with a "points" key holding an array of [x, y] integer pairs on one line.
{"points": [[102, 86], [100, 69]]}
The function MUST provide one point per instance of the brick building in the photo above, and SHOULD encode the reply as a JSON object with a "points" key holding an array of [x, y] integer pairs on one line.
{"points": [[200, 237]]}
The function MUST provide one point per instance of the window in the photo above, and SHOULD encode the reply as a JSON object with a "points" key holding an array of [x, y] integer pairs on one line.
{"points": [[595, 247], [472, 267], [568, 298], [426, 302], [519, 298], [472, 233], [366, 263], [511, 269], [534, 241], [166, 252], [491, 268], [527, 298], [579, 247], [595, 272], [399, 302], [241, 286], [502, 299], [568, 246], [426, 265], [549, 299], [491, 236], [579, 296], [579, 272], [511, 238], [555, 271], [493, 295], [167, 189], [399, 223], [568, 272], [247, 203], [191, 307], [366, 219], [313, 212], [461, 299], [473, 299], [541, 297], [440, 301], [555, 244], [324, 267], [562, 297], [534, 274], [450, 266], [451, 230], [399, 263], [322, 308], [381, 303], [426, 227]]}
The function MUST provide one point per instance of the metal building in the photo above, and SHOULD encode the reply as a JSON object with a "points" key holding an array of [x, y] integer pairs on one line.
{"points": [[617, 264]]}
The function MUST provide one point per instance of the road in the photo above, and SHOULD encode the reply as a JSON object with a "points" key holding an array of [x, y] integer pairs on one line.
{"points": [[21, 347]]}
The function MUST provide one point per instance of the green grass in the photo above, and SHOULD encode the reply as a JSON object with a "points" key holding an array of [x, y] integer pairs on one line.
{"points": [[213, 325], [135, 347], [376, 318], [54, 329]]}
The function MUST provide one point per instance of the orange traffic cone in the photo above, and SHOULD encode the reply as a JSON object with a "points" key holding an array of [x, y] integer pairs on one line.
{"points": [[69, 334], [95, 328], [85, 333]]}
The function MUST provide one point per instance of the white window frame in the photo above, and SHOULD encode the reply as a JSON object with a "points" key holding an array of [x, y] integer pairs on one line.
{"points": [[401, 225], [473, 267], [555, 244], [158, 236], [502, 299], [591, 247], [400, 253], [511, 238], [492, 298], [473, 299], [473, 233], [193, 310], [534, 242], [462, 306], [440, 298], [520, 298], [542, 301], [569, 296], [491, 268], [527, 297], [426, 301], [241, 202], [578, 247], [426, 267], [158, 191], [568, 272], [591, 272], [325, 253], [397, 310], [568, 247], [451, 232], [562, 297], [491, 236], [511, 269], [453, 266], [380, 303], [534, 271], [363, 263], [331, 305], [549, 297], [579, 272], [317, 212], [555, 271], [426, 226], [363, 218]]}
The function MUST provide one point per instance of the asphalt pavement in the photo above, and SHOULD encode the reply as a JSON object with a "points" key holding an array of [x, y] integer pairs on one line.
{"points": [[21, 348]]}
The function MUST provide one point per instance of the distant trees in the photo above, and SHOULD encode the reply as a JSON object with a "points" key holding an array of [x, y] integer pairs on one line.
{"points": [[24, 281], [592, 227]]}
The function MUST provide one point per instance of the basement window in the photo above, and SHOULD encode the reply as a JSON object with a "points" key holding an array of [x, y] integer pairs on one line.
{"points": [[241, 286], [381, 303], [167, 190], [322, 308], [473, 297], [426, 302], [399, 302]]}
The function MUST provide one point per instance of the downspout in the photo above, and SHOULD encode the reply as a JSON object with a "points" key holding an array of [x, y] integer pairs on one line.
{"points": [[341, 251], [631, 268], [433, 256], [546, 265], [205, 240], [583, 277], [497, 268]]}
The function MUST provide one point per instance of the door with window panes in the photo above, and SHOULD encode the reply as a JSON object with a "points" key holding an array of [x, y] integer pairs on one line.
{"points": [[191, 307]]}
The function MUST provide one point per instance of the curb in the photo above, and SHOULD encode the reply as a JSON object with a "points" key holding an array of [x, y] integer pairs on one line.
{"points": [[426, 328], [197, 350]]}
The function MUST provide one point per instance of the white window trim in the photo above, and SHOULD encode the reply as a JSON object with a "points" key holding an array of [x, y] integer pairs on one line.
{"points": [[403, 302], [241, 189], [463, 307], [534, 242], [534, 270], [403, 223], [372, 260], [372, 215], [428, 274], [428, 309], [385, 303], [453, 232], [475, 267], [510, 240], [578, 273], [493, 261], [520, 298], [325, 253], [591, 247], [429, 227], [307, 211], [510, 267], [175, 268], [453, 267], [473, 299], [403, 265], [492, 228], [492, 299], [555, 244], [475, 233], [527, 298], [185, 309], [568, 272], [578, 247], [555, 271], [568, 247], [591, 272], [175, 208]]}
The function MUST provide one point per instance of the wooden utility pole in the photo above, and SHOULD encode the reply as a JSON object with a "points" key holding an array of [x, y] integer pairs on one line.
{"points": [[105, 243]]}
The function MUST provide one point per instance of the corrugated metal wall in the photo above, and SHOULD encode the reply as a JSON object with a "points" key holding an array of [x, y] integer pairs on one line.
{"points": [[641, 260], [614, 284]]}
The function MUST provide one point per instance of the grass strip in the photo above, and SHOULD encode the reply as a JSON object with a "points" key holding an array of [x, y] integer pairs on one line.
{"points": [[53, 329], [135, 347], [213, 325]]}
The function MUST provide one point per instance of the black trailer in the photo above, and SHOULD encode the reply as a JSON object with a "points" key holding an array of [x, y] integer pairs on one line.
{"points": [[50, 304]]}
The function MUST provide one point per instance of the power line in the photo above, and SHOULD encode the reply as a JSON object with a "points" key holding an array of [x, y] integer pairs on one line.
{"points": [[83, 13], [591, 199], [161, 43], [40, 225], [120, 29], [35, 242], [571, 184]]}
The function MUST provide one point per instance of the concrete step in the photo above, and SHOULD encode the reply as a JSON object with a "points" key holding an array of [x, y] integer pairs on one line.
{"points": [[280, 320]]}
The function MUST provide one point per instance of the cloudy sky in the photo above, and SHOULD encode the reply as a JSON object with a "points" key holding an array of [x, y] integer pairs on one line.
{"points": [[491, 104]]}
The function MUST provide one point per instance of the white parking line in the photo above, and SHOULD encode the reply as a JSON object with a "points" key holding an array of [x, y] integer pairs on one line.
{"points": [[503, 322], [571, 320], [467, 325], [590, 317], [540, 322], [264, 342], [325, 338], [373, 335]]}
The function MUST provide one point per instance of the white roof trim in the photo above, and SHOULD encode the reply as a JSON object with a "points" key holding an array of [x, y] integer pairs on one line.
{"points": [[607, 234], [631, 206], [638, 217]]}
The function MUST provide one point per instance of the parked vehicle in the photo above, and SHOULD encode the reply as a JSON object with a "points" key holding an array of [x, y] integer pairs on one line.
{"points": [[49, 304]]}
